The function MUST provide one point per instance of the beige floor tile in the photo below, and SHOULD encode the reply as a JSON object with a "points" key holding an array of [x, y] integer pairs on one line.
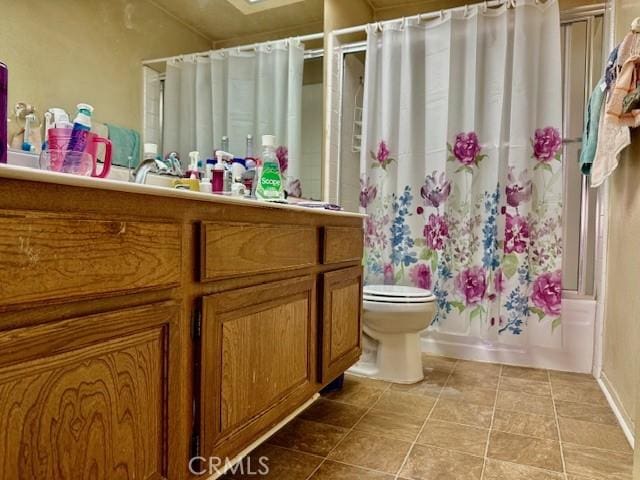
{"points": [[597, 464], [607, 437], [431, 463], [473, 380], [469, 394], [371, 451], [541, 426], [588, 413], [497, 470], [337, 471], [525, 373], [401, 427], [430, 386], [409, 404], [480, 368], [432, 362], [525, 403], [570, 377], [333, 413], [453, 436], [464, 413], [357, 394], [369, 382], [534, 452], [307, 436], [274, 463], [532, 387], [579, 393]]}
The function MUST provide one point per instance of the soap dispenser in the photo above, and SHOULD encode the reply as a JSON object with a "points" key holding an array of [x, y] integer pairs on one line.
{"points": [[218, 173], [269, 186]]}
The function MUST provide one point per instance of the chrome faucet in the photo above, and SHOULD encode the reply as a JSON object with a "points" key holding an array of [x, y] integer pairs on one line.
{"points": [[169, 166]]}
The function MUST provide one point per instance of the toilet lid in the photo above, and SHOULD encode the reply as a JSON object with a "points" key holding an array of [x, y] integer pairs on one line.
{"points": [[396, 294]]}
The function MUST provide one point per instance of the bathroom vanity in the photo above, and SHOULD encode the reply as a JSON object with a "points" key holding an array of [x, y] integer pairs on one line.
{"points": [[140, 326]]}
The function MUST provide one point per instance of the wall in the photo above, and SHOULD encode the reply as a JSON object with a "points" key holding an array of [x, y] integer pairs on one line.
{"points": [[63, 52], [622, 303]]}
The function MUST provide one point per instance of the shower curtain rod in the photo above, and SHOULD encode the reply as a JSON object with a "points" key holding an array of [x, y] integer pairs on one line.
{"points": [[423, 16], [252, 46]]}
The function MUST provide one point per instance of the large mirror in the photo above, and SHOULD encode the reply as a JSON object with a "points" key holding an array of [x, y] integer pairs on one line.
{"points": [[170, 77]]}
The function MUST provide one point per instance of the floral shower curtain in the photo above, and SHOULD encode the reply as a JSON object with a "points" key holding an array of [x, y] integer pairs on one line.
{"points": [[461, 175]]}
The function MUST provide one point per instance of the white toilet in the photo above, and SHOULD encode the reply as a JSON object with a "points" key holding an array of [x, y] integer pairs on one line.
{"points": [[394, 316]]}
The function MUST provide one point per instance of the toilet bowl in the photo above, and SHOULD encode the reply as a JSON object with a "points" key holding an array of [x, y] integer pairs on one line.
{"points": [[393, 318]]}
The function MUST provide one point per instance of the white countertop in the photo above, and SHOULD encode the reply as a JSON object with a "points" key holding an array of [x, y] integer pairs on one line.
{"points": [[34, 175]]}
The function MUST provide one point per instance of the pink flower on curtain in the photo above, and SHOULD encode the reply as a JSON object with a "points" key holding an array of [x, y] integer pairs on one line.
{"points": [[436, 232], [420, 276], [389, 275], [467, 148], [436, 189], [471, 283], [368, 192], [282, 154], [547, 143], [519, 190], [516, 238], [381, 158], [547, 292]]}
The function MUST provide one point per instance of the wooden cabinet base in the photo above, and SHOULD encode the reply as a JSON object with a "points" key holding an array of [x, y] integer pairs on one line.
{"points": [[139, 331]]}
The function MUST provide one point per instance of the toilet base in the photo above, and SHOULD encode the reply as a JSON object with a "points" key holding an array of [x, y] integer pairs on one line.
{"points": [[398, 357]]}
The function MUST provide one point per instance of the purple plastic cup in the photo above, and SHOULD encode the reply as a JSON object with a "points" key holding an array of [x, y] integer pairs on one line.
{"points": [[4, 81]]}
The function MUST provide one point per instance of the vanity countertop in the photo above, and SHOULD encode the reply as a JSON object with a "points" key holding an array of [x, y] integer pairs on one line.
{"points": [[34, 175]]}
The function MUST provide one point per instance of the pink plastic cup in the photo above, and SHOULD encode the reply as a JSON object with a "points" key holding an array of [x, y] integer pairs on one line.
{"points": [[59, 142]]}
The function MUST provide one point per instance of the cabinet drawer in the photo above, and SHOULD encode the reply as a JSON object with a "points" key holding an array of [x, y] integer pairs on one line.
{"points": [[342, 244], [53, 257], [240, 249]]}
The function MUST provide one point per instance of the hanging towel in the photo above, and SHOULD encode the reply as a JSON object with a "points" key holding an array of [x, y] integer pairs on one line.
{"points": [[631, 101], [612, 140], [625, 84], [126, 146], [611, 71], [591, 125]]}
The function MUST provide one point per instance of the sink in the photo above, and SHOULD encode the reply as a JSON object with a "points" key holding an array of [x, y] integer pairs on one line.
{"points": [[120, 174]]}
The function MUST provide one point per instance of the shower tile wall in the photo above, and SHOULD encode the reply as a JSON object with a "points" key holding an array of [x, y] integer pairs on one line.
{"points": [[350, 159], [310, 171]]}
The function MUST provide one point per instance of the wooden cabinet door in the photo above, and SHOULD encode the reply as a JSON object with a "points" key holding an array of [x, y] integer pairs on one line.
{"points": [[341, 321], [86, 398], [258, 361]]}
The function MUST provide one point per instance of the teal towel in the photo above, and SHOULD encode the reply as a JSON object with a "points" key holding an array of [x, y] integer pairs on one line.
{"points": [[591, 125], [126, 143]]}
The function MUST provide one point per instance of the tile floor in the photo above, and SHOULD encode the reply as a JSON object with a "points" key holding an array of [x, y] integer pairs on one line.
{"points": [[466, 420]]}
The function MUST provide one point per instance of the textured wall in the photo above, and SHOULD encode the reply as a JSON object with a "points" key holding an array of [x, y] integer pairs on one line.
{"points": [[622, 305], [64, 52]]}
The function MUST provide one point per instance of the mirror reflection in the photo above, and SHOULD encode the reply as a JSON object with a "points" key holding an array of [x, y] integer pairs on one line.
{"points": [[156, 82]]}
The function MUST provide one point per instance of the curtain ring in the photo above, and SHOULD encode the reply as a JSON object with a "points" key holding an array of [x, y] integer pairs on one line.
{"points": [[441, 14], [466, 11]]}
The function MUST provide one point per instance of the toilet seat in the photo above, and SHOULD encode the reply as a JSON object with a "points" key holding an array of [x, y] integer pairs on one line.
{"points": [[397, 294]]}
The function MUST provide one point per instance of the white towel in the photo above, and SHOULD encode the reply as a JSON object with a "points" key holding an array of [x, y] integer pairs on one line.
{"points": [[612, 140]]}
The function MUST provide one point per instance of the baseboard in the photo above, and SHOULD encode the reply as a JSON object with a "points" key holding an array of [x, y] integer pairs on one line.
{"points": [[616, 405], [262, 439]]}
